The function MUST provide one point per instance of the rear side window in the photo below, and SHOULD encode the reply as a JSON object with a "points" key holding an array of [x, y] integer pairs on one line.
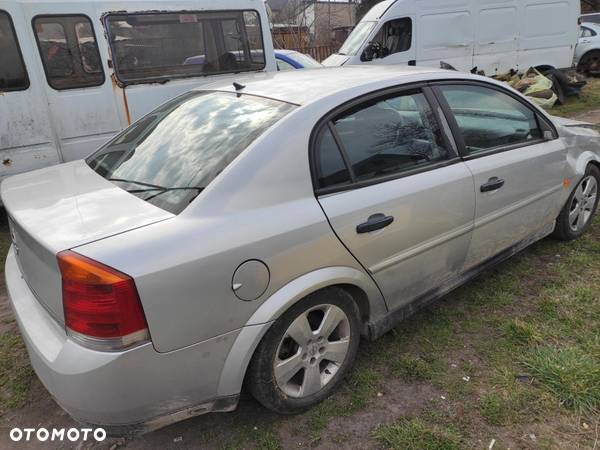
{"points": [[387, 136], [168, 157], [69, 51], [489, 118], [161, 46], [13, 76]]}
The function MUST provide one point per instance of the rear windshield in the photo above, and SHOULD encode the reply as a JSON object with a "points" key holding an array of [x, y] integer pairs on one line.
{"points": [[169, 156]]}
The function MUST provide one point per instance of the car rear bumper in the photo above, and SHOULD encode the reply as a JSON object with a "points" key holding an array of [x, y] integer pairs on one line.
{"points": [[137, 389]]}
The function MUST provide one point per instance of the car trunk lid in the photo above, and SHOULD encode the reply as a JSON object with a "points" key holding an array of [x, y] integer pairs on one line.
{"points": [[62, 207]]}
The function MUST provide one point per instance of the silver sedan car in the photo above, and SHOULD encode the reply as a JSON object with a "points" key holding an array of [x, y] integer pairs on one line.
{"points": [[255, 231]]}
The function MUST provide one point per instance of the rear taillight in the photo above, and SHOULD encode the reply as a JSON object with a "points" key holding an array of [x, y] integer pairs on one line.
{"points": [[102, 307]]}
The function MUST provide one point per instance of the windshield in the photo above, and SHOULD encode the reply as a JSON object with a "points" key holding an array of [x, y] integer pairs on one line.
{"points": [[170, 155], [356, 38]]}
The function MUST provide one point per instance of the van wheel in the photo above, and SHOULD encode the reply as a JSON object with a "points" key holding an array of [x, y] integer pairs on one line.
{"points": [[577, 214], [306, 353]]}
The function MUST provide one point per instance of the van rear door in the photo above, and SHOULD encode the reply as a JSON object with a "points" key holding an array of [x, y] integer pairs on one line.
{"points": [[26, 136], [158, 55], [79, 90]]}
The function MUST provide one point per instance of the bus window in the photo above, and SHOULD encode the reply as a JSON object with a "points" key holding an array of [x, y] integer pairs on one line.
{"points": [[13, 76], [161, 46], [69, 51]]}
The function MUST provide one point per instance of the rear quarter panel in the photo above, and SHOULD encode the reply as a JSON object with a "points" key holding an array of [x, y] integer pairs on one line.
{"points": [[261, 207]]}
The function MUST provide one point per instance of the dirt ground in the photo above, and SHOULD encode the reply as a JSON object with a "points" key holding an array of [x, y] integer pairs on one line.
{"points": [[441, 375]]}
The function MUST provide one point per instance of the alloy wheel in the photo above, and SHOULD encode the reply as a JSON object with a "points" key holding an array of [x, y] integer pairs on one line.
{"points": [[582, 203], [312, 350]]}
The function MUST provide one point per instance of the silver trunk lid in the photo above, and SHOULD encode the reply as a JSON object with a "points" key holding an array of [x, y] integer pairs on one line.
{"points": [[62, 207]]}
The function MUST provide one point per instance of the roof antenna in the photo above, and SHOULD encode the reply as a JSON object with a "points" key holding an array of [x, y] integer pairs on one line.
{"points": [[238, 86]]}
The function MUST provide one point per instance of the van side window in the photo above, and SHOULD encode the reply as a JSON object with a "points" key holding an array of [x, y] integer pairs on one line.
{"points": [[394, 37], [69, 51], [13, 76], [161, 46]]}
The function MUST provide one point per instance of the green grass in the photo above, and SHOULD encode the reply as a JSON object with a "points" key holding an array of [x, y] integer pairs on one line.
{"points": [[15, 372], [415, 434], [570, 373], [588, 99]]}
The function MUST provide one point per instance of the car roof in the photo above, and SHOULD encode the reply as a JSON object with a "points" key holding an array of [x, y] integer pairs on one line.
{"points": [[309, 85]]}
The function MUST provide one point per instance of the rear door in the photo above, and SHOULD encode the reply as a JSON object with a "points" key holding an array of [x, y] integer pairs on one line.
{"points": [[517, 162], [395, 191], [80, 93], [26, 137]]}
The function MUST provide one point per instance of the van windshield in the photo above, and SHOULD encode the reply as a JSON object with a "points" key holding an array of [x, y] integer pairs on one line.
{"points": [[169, 156], [356, 38]]}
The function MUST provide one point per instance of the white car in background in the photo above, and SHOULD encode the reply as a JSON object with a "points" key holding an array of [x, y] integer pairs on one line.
{"points": [[587, 51]]}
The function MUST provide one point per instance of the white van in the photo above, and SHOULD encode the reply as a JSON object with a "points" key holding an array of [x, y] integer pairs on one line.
{"points": [[492, 35], [74, 73]]}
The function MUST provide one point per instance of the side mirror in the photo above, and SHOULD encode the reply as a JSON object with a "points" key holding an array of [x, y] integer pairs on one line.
{"points": [[548, 135]]}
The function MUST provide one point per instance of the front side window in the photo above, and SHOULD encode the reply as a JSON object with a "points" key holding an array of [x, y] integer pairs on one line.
{"points": [[169, 156], [13, 76], [161, 46], [382, 137], [489, 118], [394, 37], [69, 51]]}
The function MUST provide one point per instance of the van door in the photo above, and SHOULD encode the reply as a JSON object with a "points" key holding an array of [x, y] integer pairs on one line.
{"points": [[79, 93], [159, 55], [27, 141], [496, 40], [446, 36], [394, 43], [395, 193]]}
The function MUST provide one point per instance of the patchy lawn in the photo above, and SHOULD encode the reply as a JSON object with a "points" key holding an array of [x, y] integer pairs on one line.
{"points": [[510, 360]]}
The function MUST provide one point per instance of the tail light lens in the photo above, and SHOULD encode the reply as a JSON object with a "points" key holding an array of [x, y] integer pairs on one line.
{"points": [[102, 307]]}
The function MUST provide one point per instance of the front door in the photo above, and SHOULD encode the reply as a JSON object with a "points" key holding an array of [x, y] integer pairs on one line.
{"points": [[395, 192], [394, 43], [517, 163]]}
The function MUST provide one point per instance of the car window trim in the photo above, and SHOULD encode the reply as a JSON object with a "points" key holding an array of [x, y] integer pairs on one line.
{"points": [[542, 122], [430, 98], [39, 46], [123, 83], [14, 33]]}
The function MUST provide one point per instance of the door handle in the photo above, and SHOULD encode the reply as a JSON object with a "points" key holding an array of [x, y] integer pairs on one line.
{"points": [[374, 222], [492, 184]]}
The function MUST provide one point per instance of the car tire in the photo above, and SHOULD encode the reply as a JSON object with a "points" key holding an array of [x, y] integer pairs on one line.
{"points": [[557, 86], [289, 375], [578, 213], [590, 63]]}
